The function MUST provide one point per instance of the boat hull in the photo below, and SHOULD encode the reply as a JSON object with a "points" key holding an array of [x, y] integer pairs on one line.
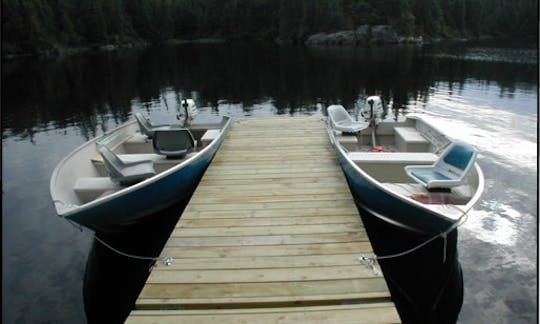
{"points": [[426, 285]]}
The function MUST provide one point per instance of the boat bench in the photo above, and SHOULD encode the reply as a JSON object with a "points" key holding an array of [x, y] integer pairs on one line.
{"points": [[209, 136], [390, 166], [408, 139], [161, 163], [138, 143], [128, 158], [113, 140], [349, 142], [393, 157], [344, 139], [90, 188]]}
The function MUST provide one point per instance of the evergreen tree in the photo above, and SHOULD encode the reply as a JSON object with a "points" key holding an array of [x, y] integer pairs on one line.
{"points": [[64, 10], [14, 30], [117, 24], [428, 16], [31, 25], [93, 27]]}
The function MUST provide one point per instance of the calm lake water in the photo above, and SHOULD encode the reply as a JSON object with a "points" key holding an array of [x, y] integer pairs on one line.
{"points": [[483, 94]]}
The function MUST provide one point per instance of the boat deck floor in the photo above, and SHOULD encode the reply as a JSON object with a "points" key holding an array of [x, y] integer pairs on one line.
{"points": [[271, 234]]}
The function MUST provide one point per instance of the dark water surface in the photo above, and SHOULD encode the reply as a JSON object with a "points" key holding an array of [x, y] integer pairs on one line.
{"points": [[483, 94]]}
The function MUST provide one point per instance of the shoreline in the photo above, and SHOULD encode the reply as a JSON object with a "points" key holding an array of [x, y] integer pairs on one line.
{"points": [[58, 51]]}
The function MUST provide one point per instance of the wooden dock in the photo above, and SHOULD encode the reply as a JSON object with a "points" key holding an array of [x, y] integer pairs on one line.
{"points": [[270, 235]]}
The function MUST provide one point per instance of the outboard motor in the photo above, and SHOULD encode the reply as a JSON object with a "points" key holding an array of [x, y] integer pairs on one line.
{"points": [[373, 109], [190, 111]]}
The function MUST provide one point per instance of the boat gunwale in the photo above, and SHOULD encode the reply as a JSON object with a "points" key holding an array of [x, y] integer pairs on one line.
{"points": [[225, 125]]}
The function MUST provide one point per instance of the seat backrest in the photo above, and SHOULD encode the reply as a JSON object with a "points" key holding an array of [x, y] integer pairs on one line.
{"points": [[174, 143], [338, 114], [144, 125], [458, 158], [112, 162]]}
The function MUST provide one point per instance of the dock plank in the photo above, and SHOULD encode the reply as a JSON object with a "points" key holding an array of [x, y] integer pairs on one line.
{"points": [[267, 221], [265, 251], [269, 239], [264, 292], [377, 313], [305, 211], [271, 234]]}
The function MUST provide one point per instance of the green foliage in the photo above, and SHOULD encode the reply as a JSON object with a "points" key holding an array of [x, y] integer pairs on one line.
{"points": [[33, 25]]}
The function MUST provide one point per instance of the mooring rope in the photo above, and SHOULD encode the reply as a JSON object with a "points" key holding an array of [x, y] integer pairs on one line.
{"points": [[128, 255], [369, 260], [166, 260]]}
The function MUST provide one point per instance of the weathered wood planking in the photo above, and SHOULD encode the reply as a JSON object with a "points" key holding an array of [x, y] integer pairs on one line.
{"points": [[270, 235]]}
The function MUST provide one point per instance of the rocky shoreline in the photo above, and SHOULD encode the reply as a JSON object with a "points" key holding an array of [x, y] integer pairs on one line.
{"points": [[363, 35], [61, 51]]}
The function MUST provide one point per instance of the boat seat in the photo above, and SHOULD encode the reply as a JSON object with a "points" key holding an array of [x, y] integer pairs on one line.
{"points": [[340, 120], [393, 157], [408, 139], [126, 173], [90, 188], [139, 143], [146, 127], [209, 136], [174, 142], [448, 171]]}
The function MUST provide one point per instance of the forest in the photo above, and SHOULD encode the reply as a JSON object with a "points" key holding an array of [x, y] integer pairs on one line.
{"points": [[37, 26]]}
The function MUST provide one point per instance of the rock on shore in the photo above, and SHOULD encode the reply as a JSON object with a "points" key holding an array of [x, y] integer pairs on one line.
{"points": [[365, 34]]}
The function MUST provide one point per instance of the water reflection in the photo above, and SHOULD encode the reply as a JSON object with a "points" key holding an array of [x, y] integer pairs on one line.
{"points": [[487, 52], [87, 91], [495, 223]]}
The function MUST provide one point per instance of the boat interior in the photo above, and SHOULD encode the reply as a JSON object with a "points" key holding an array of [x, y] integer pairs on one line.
{"points": [[128, 156], [395, 149]]}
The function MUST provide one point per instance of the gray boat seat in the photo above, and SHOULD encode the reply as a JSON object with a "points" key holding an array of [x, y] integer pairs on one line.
{"points": [[448, 171], [90, 188], [173, 142], [145, 126], [126, 173], [341, 120]]}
